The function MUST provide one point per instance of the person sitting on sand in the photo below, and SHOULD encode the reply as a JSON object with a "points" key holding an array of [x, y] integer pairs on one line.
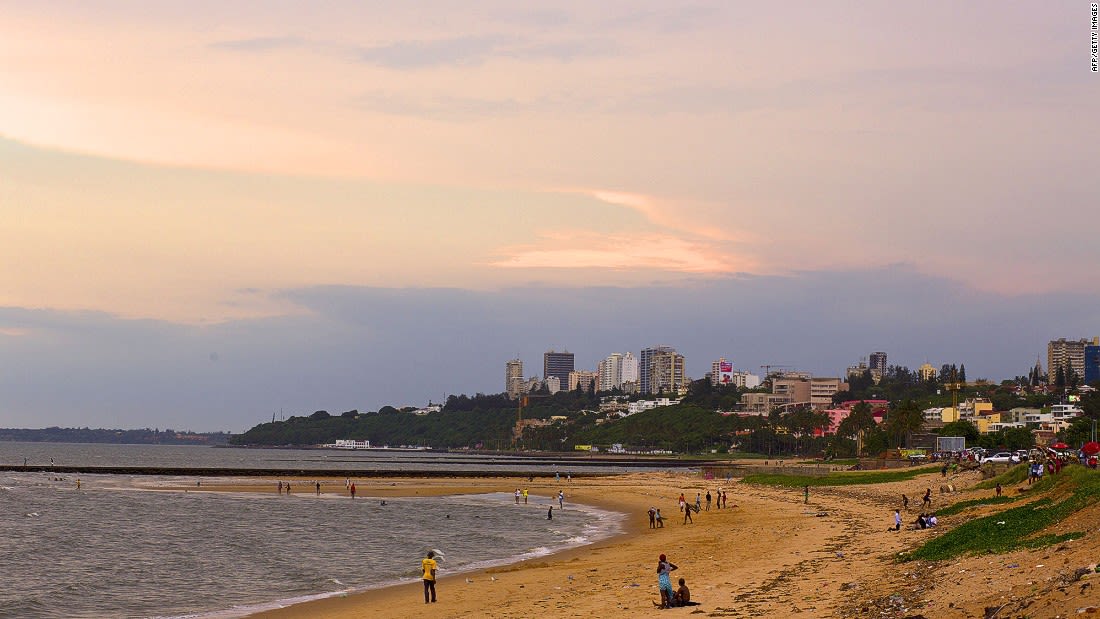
{"points": [[682, 596], [932, 521], [921, 521]]}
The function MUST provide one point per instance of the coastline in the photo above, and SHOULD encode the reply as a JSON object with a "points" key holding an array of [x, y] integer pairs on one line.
{"points": [[773, 552], [543, 492]]}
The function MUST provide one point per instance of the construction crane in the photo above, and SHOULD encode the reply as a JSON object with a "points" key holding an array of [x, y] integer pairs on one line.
{"points": [[954, 389]]}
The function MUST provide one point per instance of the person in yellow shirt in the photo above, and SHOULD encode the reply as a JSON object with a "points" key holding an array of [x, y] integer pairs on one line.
{"points": [[429, 566]]}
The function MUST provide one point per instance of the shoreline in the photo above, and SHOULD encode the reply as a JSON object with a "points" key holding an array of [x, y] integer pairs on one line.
{"points": [[773, 552], [411, 486]]}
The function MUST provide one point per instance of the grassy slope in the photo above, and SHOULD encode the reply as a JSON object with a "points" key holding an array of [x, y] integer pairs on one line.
{"points": [[838, 479], [1017, 527]]}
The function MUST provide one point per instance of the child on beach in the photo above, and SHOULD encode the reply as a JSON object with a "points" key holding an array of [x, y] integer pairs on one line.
{"points": [[660, 521]]}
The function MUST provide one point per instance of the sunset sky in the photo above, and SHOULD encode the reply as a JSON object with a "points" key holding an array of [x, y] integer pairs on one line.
{"points": [[213, 211]]}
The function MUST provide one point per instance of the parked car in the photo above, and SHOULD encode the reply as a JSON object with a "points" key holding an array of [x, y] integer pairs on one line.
{"points": [[1021, 455], [1002, 456]]}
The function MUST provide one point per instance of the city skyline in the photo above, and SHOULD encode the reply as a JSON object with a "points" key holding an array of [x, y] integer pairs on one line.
{"points": [[234, 209]]}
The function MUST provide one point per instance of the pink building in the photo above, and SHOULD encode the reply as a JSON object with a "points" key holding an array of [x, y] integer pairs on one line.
{"points": [[841, 412]]}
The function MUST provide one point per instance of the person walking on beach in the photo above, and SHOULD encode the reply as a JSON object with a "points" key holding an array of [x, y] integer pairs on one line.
{"points": [[550, 512], [660, 521], [687, 515], [998, 489], [904, 502], [351, 489], [429, 567], [652, 517], [517, 496], [927, 502], [708, 500], [698, 502], [682, 501], [561, 500], [318, 488], [664, 582], [525, 496], [723, 499], [897, 520]]}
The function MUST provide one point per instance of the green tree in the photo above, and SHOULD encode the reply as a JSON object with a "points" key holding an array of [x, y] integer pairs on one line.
{"points": [[1018, 438], [901, 420], [962, 428]]}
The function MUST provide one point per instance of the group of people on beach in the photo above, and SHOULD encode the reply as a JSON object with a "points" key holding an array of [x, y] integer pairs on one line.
{"points": [[656, 521]]}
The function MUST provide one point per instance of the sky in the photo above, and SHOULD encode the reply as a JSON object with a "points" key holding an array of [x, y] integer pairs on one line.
{"points": [[212, 212]]}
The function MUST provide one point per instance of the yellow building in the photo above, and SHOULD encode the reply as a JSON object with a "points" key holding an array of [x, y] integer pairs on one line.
{"points": [[949, 414], [985, 421], [981, 408], [926, 372]]}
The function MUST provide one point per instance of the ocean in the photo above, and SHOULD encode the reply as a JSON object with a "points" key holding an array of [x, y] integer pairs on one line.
{"points": [[116, 549]]}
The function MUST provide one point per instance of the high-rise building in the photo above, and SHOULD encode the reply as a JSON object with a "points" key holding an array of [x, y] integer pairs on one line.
{"points": [[513, 378], [645, 362], [1067, 354], [610, 371], [877, 363], [666, 372], [1092, 362], [557, 364], [721, 372], [629, 372]]}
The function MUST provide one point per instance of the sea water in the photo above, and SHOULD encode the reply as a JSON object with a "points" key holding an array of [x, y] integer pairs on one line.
{"points": [[115, 548]]}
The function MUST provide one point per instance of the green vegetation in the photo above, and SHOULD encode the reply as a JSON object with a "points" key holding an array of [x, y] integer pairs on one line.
{"points": [[838, 479], [1012, 476], [1017, 527], [146, 436], [964, 505]]}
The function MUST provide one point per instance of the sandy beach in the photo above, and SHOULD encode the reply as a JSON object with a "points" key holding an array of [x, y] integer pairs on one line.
{"points": [[770, 553]]}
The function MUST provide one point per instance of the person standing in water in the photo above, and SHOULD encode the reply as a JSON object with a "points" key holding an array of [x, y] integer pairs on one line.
{"points": [[429, 567], [561, 500]]}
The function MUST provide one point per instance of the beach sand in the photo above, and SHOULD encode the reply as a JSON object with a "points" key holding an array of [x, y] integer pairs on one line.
{"points": [[768, 554]]}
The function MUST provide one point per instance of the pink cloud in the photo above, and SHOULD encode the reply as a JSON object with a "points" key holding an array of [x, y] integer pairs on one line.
{"points": [[649, 252]]}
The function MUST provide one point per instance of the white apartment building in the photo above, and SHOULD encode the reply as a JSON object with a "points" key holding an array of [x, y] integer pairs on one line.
{"points": [[611, 372], [645, 405], [628, 372]]}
